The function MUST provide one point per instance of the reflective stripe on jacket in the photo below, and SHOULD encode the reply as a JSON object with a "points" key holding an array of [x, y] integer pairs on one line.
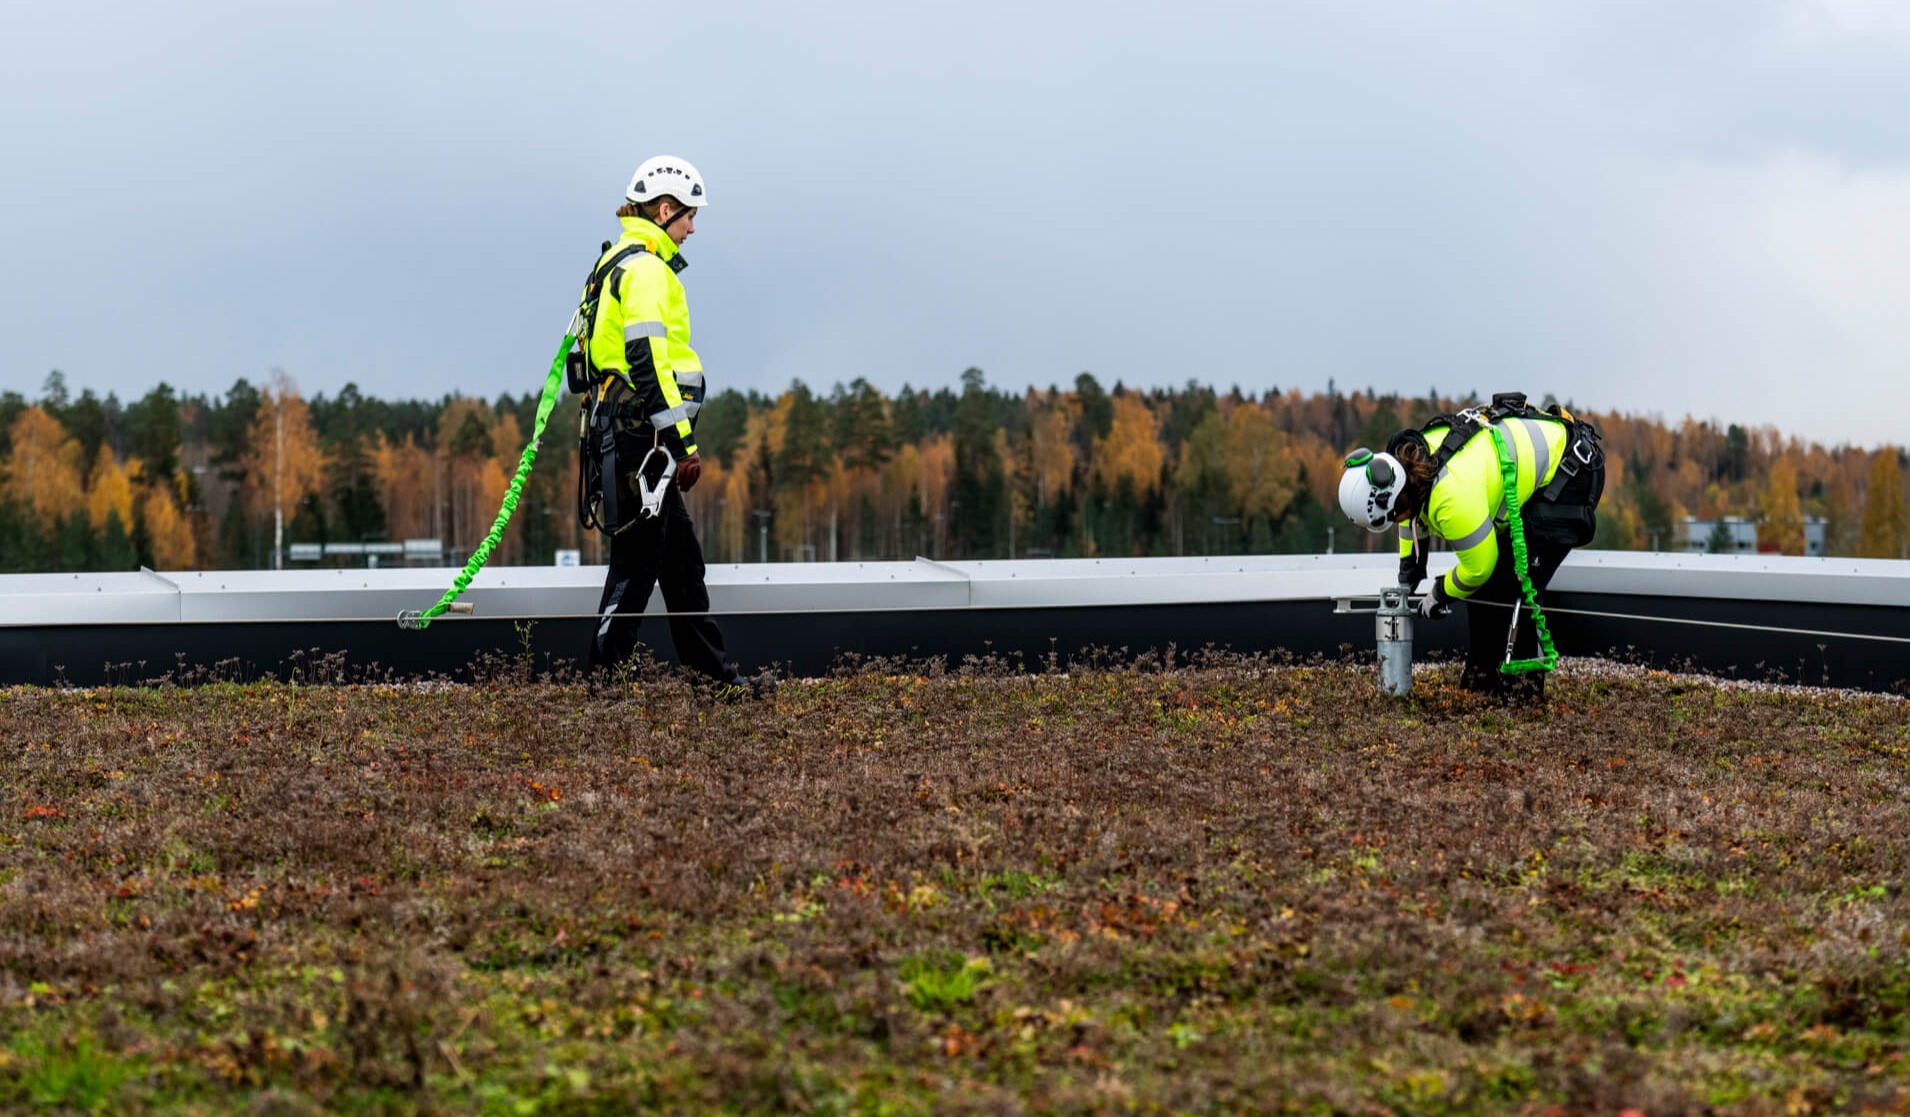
{"points": [[643, 328], [1467, 505]]}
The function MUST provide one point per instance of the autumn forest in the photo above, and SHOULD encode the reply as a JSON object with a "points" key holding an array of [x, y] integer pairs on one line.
{"points": [[180, 482]]}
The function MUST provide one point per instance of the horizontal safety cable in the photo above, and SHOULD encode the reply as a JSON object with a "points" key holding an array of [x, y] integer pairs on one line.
{"points": [[1710, 624]]}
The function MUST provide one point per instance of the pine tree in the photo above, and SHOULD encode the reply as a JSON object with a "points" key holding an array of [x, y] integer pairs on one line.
{"points": [[980, 487], [92, 422], [153, 431], [805, 452], [235, 539], [231, 424], [1654, 514], [72, 543], [1097, 410], [1304, 529], [1203, 497], [351, 482], [864, 435], [116, 546], [719, 426]]}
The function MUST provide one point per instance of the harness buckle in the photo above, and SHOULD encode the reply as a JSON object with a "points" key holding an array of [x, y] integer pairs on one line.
{"points": [[1584, 449]]}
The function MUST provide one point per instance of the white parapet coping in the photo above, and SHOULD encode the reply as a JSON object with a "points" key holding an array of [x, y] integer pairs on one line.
{"points": [[1815, 581], [548, 591]]}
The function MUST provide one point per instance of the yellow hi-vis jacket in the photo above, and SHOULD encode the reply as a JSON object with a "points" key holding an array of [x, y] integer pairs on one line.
{"points": [[1467, 505], [643, 330]]}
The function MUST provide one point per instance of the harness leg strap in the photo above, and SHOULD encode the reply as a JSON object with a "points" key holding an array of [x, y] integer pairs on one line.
{"points": [[607, 473]]}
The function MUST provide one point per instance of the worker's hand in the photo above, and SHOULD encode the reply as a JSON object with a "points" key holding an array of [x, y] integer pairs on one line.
{"points": [[687, 471], [1433, 606]]}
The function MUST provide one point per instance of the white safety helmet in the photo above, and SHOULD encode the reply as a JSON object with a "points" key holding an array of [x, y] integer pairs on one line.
{"points": [[666, 176], [1369, 487]]}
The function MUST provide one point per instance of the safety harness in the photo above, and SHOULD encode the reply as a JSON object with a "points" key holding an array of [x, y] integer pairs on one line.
{"points": [[1583, 451], [598, 503], [1582, 442]]}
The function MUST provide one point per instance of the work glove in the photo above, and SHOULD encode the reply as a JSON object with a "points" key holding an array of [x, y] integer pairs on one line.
{"points": [[1435, 604], [687, 471], [1412, 571]]}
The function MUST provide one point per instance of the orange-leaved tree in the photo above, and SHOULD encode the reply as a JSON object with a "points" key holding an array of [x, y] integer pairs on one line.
{"points": [[1130, 455], [1262, 472], [1783, 528], [407, 486], [507, 443], [43, 468], [1051, 438], [167, 529], [109, 492], [1885, 533]]}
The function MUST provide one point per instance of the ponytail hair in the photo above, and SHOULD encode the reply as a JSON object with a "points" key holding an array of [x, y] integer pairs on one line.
{"points": [[1415, 457], [1418, 463]]}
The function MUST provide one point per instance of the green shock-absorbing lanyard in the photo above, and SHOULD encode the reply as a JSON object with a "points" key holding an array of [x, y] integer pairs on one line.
{"points": [[1509, 473], [552, 383]]}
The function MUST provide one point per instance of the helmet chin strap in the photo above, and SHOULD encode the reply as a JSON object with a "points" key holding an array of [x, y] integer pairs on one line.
{"points": [[681, 209]]}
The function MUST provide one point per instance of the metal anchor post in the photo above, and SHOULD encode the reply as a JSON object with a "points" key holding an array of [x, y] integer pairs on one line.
{"points": [[1393, 633]]}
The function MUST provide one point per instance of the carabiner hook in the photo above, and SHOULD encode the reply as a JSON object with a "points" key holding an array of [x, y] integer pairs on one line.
{"points": [[652, 494]]}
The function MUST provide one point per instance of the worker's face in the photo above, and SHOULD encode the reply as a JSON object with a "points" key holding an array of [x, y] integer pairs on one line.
{"points": [[678, 229]]}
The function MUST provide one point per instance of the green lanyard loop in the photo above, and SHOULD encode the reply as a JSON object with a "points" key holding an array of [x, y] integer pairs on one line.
{"points": [[1509, 473], [552, 384]]}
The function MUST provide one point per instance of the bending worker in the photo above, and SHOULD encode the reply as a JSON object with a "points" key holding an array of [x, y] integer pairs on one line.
{"points": [[1445, 480], [643, 387]]}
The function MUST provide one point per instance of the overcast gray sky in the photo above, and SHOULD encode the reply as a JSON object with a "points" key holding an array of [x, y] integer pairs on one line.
{"points": [[1660, 207]]}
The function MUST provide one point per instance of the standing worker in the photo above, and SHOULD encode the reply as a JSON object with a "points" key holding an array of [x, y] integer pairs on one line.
{"points": [[1446, 480], [643, 386]]}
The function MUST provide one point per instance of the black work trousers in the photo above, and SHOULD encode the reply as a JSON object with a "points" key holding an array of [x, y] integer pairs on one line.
{"points": [[1489, 617], [652, 551]]}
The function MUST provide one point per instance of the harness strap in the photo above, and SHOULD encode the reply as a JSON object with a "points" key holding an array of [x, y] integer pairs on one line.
{"points": [[602, 279], [604, 269], [596, 499], [1582, 451], [1582, 446], [1459, 431], [1461, 427]]}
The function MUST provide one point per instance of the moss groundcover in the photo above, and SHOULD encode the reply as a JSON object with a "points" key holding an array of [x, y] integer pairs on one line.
{"points": [[1235, 886]]}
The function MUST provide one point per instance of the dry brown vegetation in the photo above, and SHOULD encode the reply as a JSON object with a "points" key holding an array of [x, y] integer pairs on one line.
{"points": [[1227, 886]]}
